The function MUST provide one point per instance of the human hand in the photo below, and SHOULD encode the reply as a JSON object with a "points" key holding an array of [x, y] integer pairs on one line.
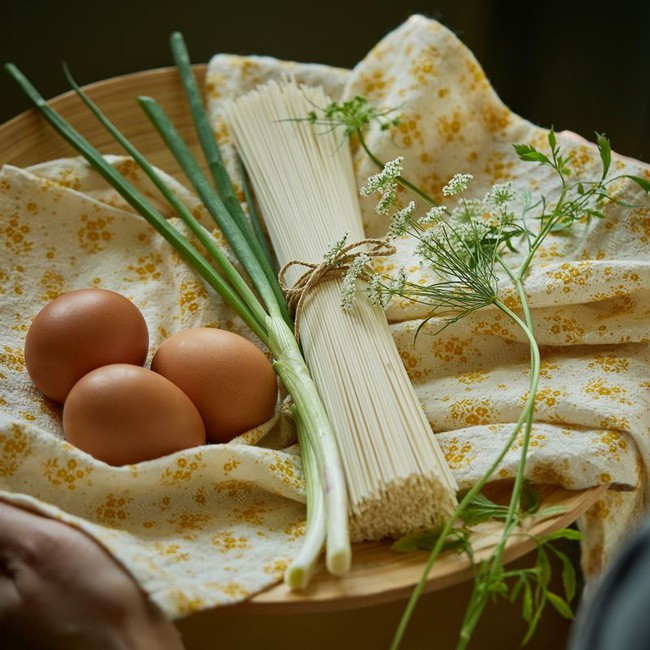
{"points": [[60, 589]]}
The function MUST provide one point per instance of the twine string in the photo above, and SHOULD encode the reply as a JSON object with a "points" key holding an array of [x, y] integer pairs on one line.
{"points": [[335, 266]]}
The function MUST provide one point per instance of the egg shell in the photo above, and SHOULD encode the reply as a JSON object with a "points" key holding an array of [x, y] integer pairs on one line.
{"points": [[80, 331], [229, 379], [123, 414]]}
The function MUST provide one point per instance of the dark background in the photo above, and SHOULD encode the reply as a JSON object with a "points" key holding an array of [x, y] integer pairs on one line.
{"points": [[562, 64]]}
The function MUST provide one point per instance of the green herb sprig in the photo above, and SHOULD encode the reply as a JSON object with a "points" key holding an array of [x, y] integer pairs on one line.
{"points": [[354, 116], [530, 585], [466, 249], [262, 307]]}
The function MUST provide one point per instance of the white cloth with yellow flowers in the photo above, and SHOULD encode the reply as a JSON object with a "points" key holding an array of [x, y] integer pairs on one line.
{"points": [[213, 525]]}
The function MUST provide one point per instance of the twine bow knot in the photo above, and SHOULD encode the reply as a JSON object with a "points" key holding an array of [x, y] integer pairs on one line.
{"points": [[335, 265]]}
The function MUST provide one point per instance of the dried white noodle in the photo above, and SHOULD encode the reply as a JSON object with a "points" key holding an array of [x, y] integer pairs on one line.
{"points": [[396, 475]]}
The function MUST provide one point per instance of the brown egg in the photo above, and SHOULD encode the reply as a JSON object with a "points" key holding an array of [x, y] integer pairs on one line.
{"points": [[80, 331], [125, 414], [228, 378]]}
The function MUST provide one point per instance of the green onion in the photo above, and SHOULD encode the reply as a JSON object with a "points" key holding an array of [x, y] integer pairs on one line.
{"points": [[256, 222], [327, 517], [217, 255], [216, 165], [138, 201], [240, 245], [299, 572]]}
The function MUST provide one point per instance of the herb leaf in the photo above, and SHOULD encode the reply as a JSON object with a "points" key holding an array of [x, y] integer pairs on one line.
{"points": [[559, 604], [426, 538], [528, 153], [480, 509], [605, 150], [643, 183]]}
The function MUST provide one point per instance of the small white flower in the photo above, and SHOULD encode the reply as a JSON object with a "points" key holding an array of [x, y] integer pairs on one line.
{"points": [[467, 210], [377, 293], [401, 221], [433, 215], [385, 184], [348, 291], [429, 243], [335, 249], [372, 185], [392, 169], [499, 194], [349, 284], [388, 195], [398, 283], [507, 218], [457, 184]]}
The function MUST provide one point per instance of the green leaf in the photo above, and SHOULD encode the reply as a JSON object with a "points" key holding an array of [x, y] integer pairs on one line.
{"points": [[562, 607], [249, 305], [551, 139], [605, 150], [562, 533], [530, 499], [594, 214], [532, 626], [543, 567], [498, 587], [480, 509], [528, 153], [551, 511], [219, 173], [568, 575], [527, 603], [520, 583], [643, 183]]}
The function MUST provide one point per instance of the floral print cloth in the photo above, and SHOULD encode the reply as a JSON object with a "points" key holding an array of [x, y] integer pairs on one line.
{"points": [[213, 525]]}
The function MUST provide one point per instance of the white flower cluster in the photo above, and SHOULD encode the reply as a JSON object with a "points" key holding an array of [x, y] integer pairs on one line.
{"points": [[385, 183], [377, 293], [349, 284], [497, 201], [456, 241], [433, 215], [380, 293], [335, 249], [457, 184], [401, 221]]}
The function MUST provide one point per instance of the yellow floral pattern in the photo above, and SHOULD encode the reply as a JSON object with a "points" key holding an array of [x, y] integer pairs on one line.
{"points": [[209, 527]]}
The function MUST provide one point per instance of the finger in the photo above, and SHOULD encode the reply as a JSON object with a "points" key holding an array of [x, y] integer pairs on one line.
{"points": [[15, 520], [9, 596], [18, 528]]}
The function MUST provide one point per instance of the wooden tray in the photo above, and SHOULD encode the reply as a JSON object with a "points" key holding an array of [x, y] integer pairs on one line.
{"points": [[378, 574], [381, 575]]}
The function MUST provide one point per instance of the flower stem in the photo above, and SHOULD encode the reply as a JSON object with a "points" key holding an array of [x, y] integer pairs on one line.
{"points": [[481, 592], [400, 179], [525, 421]]}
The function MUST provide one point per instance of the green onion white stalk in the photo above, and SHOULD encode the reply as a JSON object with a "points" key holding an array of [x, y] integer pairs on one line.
{"points": [[262, 308]]}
